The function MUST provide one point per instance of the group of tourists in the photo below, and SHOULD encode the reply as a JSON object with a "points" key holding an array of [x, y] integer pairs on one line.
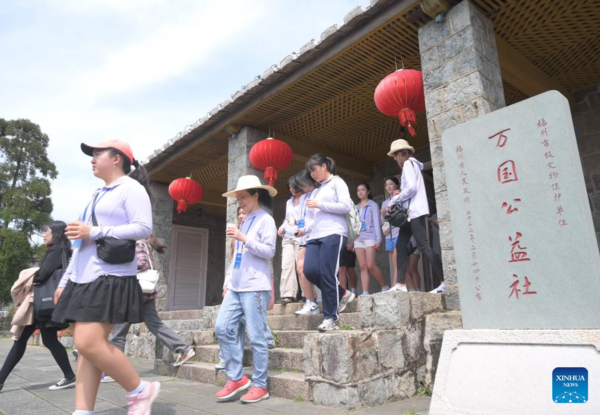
{"points": [[97, 260], [315, 248]]}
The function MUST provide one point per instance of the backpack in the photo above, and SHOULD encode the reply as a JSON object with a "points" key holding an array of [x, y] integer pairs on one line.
{"points": [[352, 220]]}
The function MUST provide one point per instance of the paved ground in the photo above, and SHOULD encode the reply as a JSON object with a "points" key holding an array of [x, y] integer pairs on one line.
{"points": [[26, 392]]}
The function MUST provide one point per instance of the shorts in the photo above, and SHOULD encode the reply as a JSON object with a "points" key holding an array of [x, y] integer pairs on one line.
{"points": [[390, 244], [347, 258], [369, 243], [413, 251]]}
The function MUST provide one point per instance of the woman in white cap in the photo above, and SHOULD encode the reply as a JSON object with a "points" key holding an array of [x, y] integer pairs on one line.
{"points": [[413, 197], [249, 291], [100, 288]]}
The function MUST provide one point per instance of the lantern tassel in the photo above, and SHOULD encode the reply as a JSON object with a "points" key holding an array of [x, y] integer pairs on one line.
{"points": [[270, 175], [182, 206], [408, 119]]}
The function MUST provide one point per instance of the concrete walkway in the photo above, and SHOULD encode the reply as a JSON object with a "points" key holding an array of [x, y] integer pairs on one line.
{"points": [[26, 392]]}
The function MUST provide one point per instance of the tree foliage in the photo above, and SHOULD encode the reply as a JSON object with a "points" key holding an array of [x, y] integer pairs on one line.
{"points": [[25, 204]]}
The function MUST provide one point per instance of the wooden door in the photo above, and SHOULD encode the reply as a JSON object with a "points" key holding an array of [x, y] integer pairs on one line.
{"points": [[187, 272]]}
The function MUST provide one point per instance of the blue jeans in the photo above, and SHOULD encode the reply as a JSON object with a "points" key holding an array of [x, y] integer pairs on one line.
{"points": [[241, 337], [253, 307]]}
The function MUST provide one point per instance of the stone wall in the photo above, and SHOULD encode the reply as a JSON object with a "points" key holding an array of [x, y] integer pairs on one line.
{"points": [[394, 354], [162, 216], [462, 81], [215, 274], [586, 117]]}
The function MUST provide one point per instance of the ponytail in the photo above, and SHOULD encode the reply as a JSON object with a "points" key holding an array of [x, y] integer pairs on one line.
{"points": [[319, 160], [139, 174]]}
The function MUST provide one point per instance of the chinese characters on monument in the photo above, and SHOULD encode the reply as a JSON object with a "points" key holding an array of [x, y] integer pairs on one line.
{"points": [[526, 252]]}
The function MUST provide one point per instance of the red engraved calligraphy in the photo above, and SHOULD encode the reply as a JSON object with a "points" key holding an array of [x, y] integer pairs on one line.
{"points": [[502, 138], [517, 252], [511, 209], [507, 172]]}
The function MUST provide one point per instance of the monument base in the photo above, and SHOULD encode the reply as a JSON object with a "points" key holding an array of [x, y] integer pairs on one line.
{"points": [[513, 372]]}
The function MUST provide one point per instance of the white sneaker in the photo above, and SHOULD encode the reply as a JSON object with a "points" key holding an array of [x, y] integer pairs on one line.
{"points": [[308, 309], [182, 358], [439, 290], [398, 288], [220, 365], [328, 325], [106, 379], [347, 298]]}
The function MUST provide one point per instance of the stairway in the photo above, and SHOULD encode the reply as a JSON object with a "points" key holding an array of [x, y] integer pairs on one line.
{"points": [[286, 361]]}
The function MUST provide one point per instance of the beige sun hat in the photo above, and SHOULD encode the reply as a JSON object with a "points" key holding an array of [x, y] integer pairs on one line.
{"points": [[398, 145], [250, 182]]}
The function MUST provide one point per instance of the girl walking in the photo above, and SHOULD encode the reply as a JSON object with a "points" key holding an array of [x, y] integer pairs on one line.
{"points": [[327, 238], [368, 242], [58, 253], [305, 224], [392, 186], [249, 291], [100, 288], [414, 198], [288, 286]]}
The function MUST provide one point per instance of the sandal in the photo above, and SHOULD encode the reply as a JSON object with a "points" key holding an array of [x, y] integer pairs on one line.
{"points": [[285, 300]]}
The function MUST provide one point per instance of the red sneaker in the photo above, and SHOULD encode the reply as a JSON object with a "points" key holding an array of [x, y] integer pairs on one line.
{"points": [[231, 388], [255, 394]]}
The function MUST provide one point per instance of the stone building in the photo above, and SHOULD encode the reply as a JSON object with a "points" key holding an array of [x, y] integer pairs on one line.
{"points": [[476, 56]]}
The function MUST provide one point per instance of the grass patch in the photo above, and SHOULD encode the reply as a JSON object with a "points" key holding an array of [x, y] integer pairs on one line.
{"points": [[220, 383], [409, 413], [346, 327], [298, 399], [423, 391]]}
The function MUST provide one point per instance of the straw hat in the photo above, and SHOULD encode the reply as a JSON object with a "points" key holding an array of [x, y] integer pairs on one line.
{"points": [[398, 145], [250, 182]]}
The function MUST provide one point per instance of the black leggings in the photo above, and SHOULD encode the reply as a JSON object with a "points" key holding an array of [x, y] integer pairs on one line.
{"points": [[50, 340], [417, 229]]}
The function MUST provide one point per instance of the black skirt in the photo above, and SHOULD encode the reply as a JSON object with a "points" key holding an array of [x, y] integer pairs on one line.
{"points": [[108, 299]]}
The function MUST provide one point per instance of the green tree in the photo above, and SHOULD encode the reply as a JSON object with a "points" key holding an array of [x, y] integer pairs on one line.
{"points": [[25, 205]]}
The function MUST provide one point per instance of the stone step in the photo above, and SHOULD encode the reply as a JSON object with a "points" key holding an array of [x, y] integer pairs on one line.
{"points": [[310, 322], [282, 384], [181, 315], [291, 338], [286, 309], [279, 358]]}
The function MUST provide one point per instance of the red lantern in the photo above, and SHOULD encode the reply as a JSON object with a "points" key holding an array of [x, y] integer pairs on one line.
{"points": [[185, 192], [401, 94], [271, 155]]}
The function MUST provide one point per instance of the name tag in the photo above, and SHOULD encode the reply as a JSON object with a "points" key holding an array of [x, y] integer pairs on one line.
{"points": [[301, 224], [238, 260], [363, 226]]}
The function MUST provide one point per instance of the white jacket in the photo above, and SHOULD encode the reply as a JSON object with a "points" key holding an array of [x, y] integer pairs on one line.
{"points": [[412, 189]]}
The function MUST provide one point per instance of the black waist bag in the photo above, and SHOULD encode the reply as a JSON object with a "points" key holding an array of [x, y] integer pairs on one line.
{"points": [[113, 250], [398, 217], [43, 295]]}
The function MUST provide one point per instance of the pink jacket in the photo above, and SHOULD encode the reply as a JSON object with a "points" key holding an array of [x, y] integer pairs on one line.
{"points": [[22, 294]]}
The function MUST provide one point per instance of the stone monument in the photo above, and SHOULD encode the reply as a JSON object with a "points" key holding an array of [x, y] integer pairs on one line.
{"points": [[526, 258]]}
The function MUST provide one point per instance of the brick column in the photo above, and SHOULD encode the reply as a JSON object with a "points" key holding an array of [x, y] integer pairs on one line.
{"points": [[162, 218], [239, 165], [462, 81]]}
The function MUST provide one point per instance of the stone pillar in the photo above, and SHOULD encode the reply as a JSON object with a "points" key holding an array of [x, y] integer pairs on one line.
{"points": [[462, 81], [239, 165], [162, 218]]}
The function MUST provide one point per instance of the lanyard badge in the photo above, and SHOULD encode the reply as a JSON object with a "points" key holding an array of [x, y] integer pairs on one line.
{"points": [[301, 224], [239, 247], [363, 223]]}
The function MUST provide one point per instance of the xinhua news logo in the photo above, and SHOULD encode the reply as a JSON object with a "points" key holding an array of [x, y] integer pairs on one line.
{"points": [[570, 385]]}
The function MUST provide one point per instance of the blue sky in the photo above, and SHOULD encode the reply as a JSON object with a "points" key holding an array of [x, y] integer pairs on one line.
{"points": [[139, 70]]}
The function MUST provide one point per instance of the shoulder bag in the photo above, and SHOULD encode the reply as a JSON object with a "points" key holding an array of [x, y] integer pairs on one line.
{"points": [[148, 278], [43, 294], [113, 250]]}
